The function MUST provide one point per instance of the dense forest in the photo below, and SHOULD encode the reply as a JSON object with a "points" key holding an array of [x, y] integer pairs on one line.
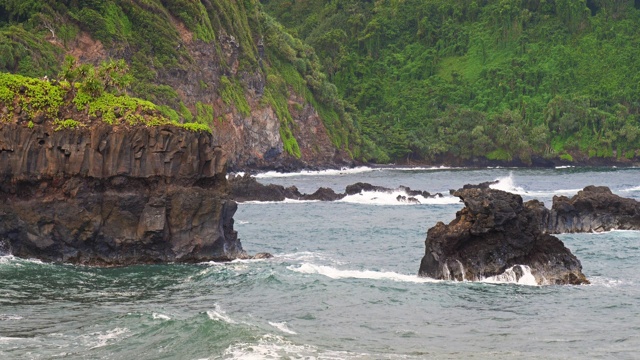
{"points": [[159, 41], [496, 79], [393, 80]]}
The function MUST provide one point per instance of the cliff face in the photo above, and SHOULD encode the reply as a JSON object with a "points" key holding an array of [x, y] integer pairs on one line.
{"points": [[215, 64], [252, 139], [118, 195]]}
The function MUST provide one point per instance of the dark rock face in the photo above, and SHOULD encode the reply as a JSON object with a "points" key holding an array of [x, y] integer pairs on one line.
{"points": [[494, 232], [114, 195], [247, 188], [593, 209]]}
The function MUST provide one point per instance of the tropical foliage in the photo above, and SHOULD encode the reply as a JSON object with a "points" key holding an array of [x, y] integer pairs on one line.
{"points": [[501, 79]]}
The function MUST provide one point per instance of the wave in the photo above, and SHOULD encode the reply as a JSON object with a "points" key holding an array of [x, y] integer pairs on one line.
{"points": [[157, 316], [271, 346], [101, 339], [508, 184], [334, 273], [282, 327], [217, 314], [285, 201], [328, 172], [565, 167], [631, 189], [606, 282], [391, 198], [10, 317], [509, 276]]}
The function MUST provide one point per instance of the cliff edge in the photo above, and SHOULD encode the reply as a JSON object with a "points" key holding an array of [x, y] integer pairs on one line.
{"points": [[114, 195], [114, 183]]}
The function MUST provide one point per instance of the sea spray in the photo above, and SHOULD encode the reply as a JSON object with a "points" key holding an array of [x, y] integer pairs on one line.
{"points": [[511, 276], [334, 273]]}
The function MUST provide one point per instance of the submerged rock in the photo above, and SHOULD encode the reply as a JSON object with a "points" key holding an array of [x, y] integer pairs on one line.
{"points": [[114, 195], [493, 233]]}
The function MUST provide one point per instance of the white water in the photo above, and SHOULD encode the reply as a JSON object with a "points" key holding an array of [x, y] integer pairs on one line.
{"points": [[508, 184], [509, 276], [390, 198], [282, 326], [329, 172], [334, 273], [219, 315]]}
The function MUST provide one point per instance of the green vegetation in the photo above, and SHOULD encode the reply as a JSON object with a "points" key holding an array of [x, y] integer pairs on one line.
{"points": [[28, 100], [154, 37], [67, 124], [492, 78]]}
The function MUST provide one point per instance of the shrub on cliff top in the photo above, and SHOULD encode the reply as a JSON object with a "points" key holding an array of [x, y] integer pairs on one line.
{"points": [[29, 100]]}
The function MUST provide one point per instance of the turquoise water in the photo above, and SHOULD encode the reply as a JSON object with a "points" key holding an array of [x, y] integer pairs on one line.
{"points": [[342, 285]]}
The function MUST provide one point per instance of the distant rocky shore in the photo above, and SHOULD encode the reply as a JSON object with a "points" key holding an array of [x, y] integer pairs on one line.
{"points": [[246, 188], [496, 231]]}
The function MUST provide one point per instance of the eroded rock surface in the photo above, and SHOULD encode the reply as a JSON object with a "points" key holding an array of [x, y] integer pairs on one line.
{"points": [[494, 232], [593, 209], [114, 195]]}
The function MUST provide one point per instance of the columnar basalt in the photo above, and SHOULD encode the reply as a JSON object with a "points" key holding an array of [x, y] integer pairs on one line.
{"points": [[114, 195]]}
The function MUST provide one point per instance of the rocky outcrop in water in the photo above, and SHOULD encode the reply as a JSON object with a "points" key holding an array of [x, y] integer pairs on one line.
{"points": [[118, 195], [593, 209], [493, 233], [247, 188]]}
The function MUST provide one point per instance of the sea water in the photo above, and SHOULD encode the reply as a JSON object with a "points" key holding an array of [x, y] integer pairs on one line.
{"points": [[342, 285]]}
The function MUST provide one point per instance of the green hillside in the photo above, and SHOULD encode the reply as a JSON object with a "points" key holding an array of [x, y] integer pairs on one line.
{"points": [[502, 79], [157, 38]]}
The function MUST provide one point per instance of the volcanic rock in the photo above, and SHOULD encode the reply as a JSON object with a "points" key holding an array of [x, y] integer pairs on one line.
{"points": [[593, 209], [114, 195], [494, 232]]}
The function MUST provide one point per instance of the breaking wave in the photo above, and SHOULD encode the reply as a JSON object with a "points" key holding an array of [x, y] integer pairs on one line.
{"points": [[334, 273]]}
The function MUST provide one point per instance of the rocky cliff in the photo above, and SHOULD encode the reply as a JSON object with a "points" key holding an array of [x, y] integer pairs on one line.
{"points": [[114, 195], [224, 64], [493, 233]]}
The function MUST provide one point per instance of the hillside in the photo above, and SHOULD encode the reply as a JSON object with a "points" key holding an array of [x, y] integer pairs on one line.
{"points": [[457, 81], [223, 64]]}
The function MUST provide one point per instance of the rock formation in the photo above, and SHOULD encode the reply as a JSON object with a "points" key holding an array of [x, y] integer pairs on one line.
{"points": [[593, 209], [494, 232], [247, 188], [114, 195]]}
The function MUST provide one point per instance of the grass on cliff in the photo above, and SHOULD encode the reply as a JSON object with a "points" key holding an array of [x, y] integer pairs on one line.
{"points": [[30, 101], [154, 35]]}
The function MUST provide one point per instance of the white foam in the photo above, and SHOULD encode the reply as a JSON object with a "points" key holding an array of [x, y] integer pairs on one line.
{"points": [[241, 222], [391, 198], [334, 273], [508, 184], [219, 315], [509, 276], [606, 282], [157, 316], [631, 189], [285, 201], [420, 168], [565, 167], [282, 327], [276, 347], [103, 338], [10, 317], [328, 172]]}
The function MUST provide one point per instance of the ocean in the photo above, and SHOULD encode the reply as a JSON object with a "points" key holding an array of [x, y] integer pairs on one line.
{"points": [[342, 285]]}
